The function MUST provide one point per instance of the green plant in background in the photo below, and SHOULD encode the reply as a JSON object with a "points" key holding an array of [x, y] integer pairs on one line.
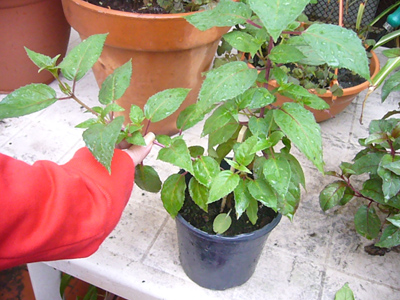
{"points": [[244, 127], [345, 293], [378, 217]]}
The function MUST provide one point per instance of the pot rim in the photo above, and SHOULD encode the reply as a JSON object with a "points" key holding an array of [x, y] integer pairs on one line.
{"points": [[126, 14], [238, 238]]}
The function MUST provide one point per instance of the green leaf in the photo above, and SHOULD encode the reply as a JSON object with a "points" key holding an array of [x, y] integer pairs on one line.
{"points": [[101, 140], [223, 134], [147, 178], [235, 165], [391, 84], [302, 95], [220, 117], [390, 237], [226, 13], [81, 59], [287, 206], [339, 47], [263, 192], [199, 193], [173, 194], [255, 98], [136, 114], [244, 153], [42, 61], [164, 103], [395, 220], [196, 151], [297, 171], [225, 82], [252, 211], [332, 195], [87, 123], [300, 127], [367, 163], [177, 154], [345, 293], [223, 184], [136, 138], [391, 181], [393, 166], [278, 173], [277, 14], [367, 222], [242, 198], [205, 169], [27, 100], [115, 85], [221, 223], [189, 117], [243, 42], [283, 54]]}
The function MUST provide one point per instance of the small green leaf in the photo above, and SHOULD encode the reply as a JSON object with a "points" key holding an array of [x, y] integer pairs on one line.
{"points": [[345, 293], [27, 100], [42, 61], [87, 123], [367, 222], [252, 211], [81, 59], [199, 193], [101, 139], [173, 194], [283, 54], [332, 195], [225, 82], [136, 114], [177, 154], [287, 206], [136, 138], [205, 169], [221, 223], [164, 103], [367, 163], [391, 181], [226, 13], [219, 118], [278, 173], [391, 84], [189, 117], [303, 96], [235, 165], [115, 85], [300, 127], [390, 237], [242, 198], [243, 42], [395, 220], [263, 192], [224, 133], [255, 98], [147, 178], [244, 153], [223, 184], [196, 151]]}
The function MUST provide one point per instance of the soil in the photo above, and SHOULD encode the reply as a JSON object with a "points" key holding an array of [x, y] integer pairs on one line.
{"points": [[129, 6], [204, 221]]}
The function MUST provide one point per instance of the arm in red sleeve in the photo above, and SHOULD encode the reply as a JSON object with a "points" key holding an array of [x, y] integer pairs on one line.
{"points": [[51, 212]]}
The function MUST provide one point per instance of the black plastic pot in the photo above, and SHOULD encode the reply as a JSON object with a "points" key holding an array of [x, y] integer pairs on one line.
{"points": [[217, 262]]}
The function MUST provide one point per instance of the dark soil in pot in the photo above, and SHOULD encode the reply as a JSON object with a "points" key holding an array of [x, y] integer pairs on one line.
{"points": [[204, 221], [129, 6]]}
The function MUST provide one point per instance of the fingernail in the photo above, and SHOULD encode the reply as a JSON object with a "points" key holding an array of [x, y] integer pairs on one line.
{"points": [[149, 138]]}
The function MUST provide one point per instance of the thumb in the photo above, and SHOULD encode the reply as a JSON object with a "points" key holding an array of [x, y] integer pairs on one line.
{"points": [[138, 153]]}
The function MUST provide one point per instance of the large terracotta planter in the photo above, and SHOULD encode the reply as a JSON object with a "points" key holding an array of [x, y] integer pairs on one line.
{"points": [[39, 25], [166, 52], [337, 104]]}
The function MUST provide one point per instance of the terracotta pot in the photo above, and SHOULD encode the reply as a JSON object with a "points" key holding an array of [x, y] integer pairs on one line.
{"points": [[39, 25], [337, 104], [166, 52]]}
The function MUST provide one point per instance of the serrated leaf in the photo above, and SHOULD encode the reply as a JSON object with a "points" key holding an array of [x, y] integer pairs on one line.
{"points": [[177, 154], [263, 192], [226, 13], [332, 195], [367, 222], [283, 54], [345, 293], [164, 103], [196, 151], [225, 82], [244, 153], [198, 193], [391, 84], [223, 184], [252, 211], [367, 163], [27, 100], [101, 140], [278, 173], [390, 237], [205, 169], [147, 178], [391, 181], [277, 14], [81, 58], [136, 114], [87, 123], [302, 95], [243, 42], [221, 223], [255, 98], [339, 47], [136, 138], [189, 117], [300, 127], [287, 206], [219, 118], [115, 85], [42, 61], [223, 134], [173, 194], [242, 198], [235, 165]]}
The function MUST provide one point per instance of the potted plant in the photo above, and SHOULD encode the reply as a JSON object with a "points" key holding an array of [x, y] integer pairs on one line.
{"points": [[248, 176], [38, 25], [373, 176], [329, 79], [166, 51]]}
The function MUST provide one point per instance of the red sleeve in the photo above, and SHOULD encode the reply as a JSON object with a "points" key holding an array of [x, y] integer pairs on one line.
{"points": [[51, 212]]}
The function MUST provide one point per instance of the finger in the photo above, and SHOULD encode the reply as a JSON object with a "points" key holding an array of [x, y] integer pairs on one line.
{"points": [[138, 153]]}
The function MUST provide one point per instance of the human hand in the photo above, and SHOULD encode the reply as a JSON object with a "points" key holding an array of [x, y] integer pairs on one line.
{"points": [[138, 153]]}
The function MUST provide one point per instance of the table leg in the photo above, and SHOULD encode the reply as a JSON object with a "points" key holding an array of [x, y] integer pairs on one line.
{"points": [[45, 281]]}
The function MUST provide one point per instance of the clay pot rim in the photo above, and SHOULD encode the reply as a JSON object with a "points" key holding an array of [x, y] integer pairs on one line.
{"points": [[126, 14], [346, 91]]}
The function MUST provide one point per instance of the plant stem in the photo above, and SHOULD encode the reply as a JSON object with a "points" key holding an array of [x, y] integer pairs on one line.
{"points": [[84, 105]]}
